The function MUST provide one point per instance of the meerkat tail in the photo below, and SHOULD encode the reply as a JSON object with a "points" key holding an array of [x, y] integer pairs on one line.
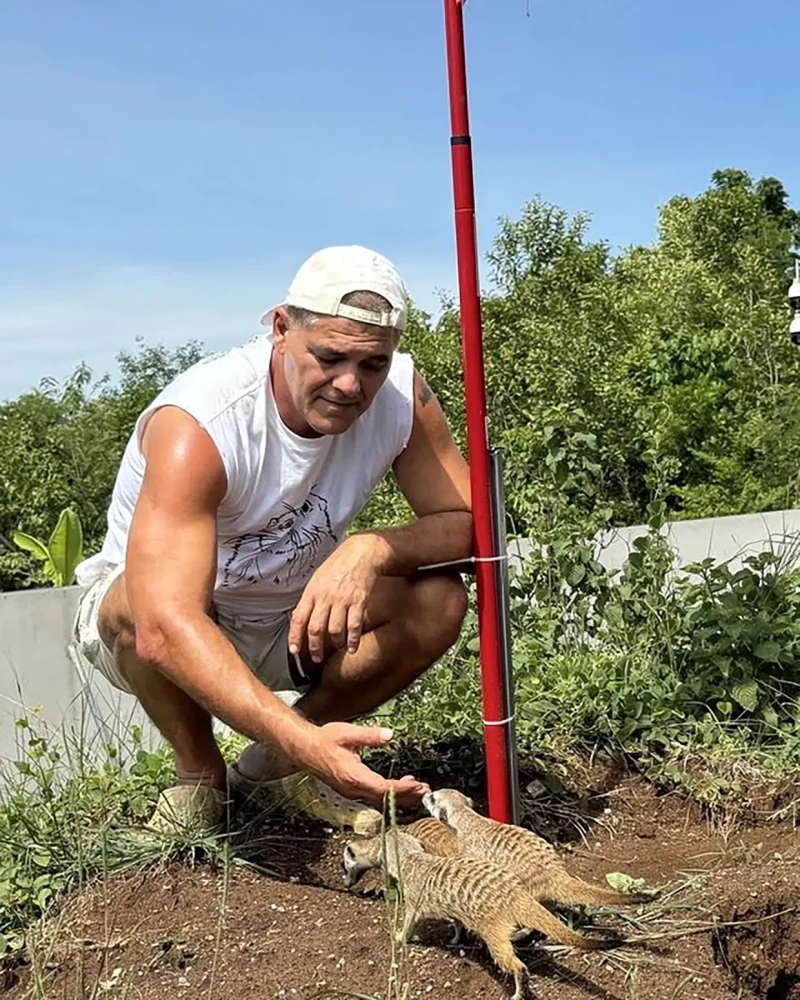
{"points": [[497, 936], [536, 917], [564, 888]]}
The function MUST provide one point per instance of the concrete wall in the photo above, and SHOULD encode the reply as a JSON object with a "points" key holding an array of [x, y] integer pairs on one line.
{"points": [[724, 539], [35, 625], [36, 670]]}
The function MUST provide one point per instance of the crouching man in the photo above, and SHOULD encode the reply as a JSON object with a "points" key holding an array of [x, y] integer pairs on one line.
{"points": [[226, 586]]}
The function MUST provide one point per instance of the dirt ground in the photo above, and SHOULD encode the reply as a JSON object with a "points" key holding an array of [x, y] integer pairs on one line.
{"points": [[725, 925]]}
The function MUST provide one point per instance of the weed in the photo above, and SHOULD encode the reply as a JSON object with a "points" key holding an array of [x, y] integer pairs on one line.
{"points": [[65, 820], [690, 673]]}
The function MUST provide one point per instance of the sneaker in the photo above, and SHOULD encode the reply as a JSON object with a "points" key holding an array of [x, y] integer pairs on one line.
{"points": [[185, 812], [303, 793]]}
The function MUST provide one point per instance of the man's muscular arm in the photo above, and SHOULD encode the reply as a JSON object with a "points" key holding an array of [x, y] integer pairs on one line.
{"points": [[170, 574], [434, 478]]}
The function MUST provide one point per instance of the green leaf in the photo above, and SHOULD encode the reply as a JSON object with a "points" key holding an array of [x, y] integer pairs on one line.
{"points": [[577, 573], [66, 546], [746, 695], [768, 650], [32, 545], [625, 883], [770, 716], [43, 897]]}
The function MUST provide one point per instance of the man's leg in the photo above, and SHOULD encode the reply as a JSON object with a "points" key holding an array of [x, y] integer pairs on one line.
{"points": [[184, 724], [409, 625]]}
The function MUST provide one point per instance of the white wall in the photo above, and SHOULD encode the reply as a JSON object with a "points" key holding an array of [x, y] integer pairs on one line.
{"points": [[36, 670], [35, 625], [722, 539]]}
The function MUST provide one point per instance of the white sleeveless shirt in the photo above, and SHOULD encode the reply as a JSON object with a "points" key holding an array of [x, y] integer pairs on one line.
{"points": [[289, 499]]}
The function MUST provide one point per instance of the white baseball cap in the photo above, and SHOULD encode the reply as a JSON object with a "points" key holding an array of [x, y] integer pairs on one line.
{"points": [[329, 274]]}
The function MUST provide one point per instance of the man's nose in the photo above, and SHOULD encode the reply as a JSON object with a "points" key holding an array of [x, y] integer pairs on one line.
{"points": [[347, 384]]}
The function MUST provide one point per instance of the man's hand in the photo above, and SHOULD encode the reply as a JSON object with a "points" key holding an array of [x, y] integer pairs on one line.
{"points": [[333, 758], [335, 599]]}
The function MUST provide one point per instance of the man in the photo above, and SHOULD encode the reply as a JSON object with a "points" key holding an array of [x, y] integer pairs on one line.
{"points": [[226, 586]]}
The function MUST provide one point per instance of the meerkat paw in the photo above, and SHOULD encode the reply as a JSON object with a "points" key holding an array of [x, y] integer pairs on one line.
{"points": [[458, 933], [520, 992], [406, 935]]}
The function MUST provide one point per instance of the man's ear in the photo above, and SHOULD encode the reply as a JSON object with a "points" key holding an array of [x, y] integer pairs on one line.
{"points": [[280, 325]]}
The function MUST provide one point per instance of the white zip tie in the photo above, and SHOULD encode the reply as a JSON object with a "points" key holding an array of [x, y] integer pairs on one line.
{"points": [[460, 562], [499, 722]]}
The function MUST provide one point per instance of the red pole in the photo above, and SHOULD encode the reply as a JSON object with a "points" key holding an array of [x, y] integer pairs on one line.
{"points": [[495, 736]]}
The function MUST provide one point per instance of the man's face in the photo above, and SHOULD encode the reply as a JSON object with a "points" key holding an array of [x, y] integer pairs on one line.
{"points": [[330, 373]]}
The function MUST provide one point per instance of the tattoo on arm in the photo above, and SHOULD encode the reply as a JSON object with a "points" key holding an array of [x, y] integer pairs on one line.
{"points": [[425, 393]]}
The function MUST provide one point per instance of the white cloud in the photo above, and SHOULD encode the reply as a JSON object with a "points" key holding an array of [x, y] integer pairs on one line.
{"points": [[48, 330]]}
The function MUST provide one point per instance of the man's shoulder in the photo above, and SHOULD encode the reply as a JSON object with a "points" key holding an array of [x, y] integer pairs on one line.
{"points": [[220, 380], [401, 372]]}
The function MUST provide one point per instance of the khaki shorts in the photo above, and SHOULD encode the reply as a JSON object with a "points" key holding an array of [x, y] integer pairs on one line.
{"points": [[263, 647]]}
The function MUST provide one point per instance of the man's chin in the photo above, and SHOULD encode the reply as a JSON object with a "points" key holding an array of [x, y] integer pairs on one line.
{"points": [[328, 420]]}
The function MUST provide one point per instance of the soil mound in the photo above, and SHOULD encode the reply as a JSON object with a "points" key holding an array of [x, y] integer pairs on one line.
{"points": [[727, 926], [758, 940]]}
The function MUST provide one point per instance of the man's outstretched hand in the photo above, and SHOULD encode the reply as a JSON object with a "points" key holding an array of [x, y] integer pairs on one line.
{"points": [[333, 758]]}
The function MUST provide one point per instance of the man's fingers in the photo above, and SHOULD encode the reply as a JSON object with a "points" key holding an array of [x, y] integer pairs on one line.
{"points": [[337, 626], [372, 788], [355, 625], [349, 735], [317, 630], [299, 623], [409, 786]]}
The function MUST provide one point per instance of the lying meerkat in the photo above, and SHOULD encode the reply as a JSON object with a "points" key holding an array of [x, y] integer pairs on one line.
{"points": [[479, 895], [533, 860]]}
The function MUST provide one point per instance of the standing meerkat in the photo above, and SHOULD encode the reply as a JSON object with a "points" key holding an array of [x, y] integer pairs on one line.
{"points": [[480, 896], [533, 860]]}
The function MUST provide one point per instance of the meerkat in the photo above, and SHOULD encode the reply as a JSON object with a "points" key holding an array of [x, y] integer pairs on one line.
{"points": [[477, 894], [436, 837], [533, 860]]}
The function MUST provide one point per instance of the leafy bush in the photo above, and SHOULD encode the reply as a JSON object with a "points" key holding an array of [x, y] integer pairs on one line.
{"points": [[61, 447], [652, 660], [674, 358], [61, 553]]}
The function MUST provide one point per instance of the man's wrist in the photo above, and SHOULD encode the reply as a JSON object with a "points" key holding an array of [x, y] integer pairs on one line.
{"points": [[297, 740], [377, 550]]}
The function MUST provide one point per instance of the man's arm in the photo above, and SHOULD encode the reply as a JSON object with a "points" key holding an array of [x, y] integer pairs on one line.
{"points": [[434, 478], [170, 575], [170, 572]]}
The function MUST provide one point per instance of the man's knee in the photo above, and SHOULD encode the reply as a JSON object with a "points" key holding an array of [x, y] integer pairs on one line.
{"points": [[115, 622], [114, 619], [441, 604]]}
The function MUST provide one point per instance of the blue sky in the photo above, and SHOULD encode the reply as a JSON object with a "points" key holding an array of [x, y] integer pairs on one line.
{"points": [[165, 166]]}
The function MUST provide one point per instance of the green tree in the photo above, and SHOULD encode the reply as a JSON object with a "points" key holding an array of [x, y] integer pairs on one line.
{"points": [[61, 447], [663, 370]]}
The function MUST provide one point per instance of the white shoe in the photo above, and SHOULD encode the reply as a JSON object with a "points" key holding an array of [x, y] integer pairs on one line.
{"points": [[303, 793]]}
